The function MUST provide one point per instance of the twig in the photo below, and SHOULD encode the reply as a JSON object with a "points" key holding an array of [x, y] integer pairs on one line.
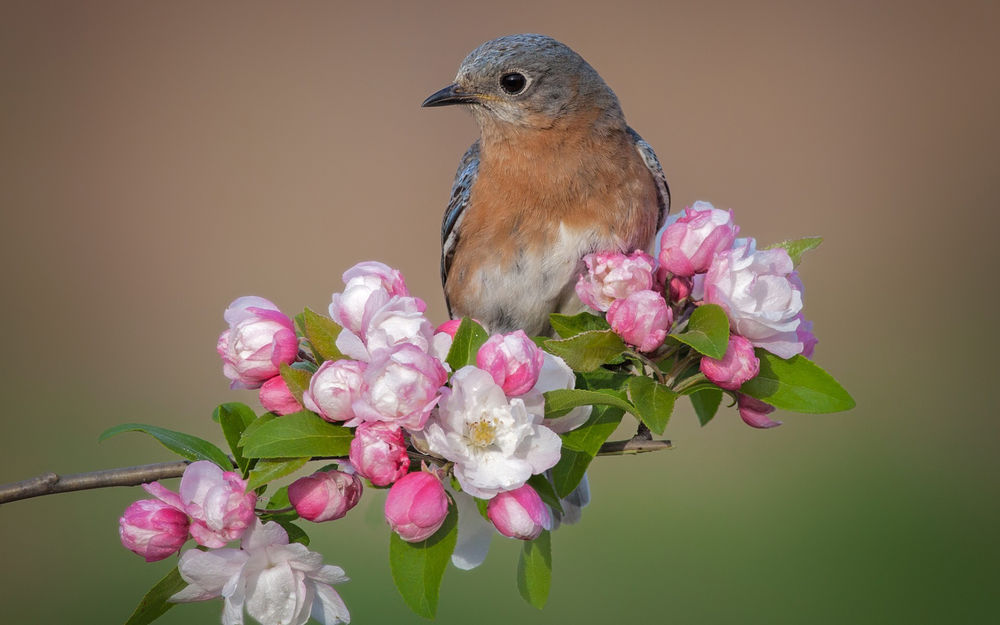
{"points": [[51, 483]]}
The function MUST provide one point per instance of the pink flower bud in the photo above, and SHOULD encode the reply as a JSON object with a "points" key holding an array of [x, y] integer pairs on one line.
{"points": [[641, 319], [679, 289], [220, 508], [689, 244], [153, 529], [275, 397], [513, 360], [400, 387], [737, 366], [613, 275], [519, 513], [416, 506], [754, 412], [449, 327], [368, 285], [333, 389], [259, 339], [378, 452], [325, 495]]}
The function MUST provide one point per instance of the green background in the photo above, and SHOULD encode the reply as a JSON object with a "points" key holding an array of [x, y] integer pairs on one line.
{"points": [[158, 160]]}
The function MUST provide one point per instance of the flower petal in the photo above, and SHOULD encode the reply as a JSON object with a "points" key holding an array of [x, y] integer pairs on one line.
{"points": [[329, 608]]}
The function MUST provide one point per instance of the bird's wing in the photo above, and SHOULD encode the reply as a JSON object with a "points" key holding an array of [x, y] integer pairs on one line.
{"points": [[653, 165], [468, 169]]}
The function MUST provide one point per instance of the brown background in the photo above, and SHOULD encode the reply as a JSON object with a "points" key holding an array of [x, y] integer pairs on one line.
{"points": [[159, 159]]}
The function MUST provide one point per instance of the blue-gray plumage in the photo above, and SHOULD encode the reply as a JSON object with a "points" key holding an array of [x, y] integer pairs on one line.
{"points": [[556, 174]]}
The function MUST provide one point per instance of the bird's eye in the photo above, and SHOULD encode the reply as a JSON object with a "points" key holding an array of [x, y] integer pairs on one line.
{"points": [[513, 83]]}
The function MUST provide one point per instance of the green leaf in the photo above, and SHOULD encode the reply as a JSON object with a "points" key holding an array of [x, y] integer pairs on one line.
{"points": [[253, 427], [571, 325], [797, 247], [707, 331], [155, 604], [268, 470], [297, 380], [560, 401], [321, 332], [295, 533], [706, 404], [279, 501], [234, 418], [546, 491], [796, 384], [589, 437], [184, 445], [417, 568], [469, 337], [653, 401], [568, 472], [534, 570], [298, 435], [588, 350], [603, 379]]}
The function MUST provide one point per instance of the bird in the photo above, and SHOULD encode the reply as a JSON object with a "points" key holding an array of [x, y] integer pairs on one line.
{"points": [[556, 174]]}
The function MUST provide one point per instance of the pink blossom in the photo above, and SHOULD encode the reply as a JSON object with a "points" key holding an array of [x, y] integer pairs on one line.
{"points": [[688, 245], [641, 319], [385, 324], [368, 286], [259, 340], [449, 327], [217, 502], [153, 529], [324, 495], [275, 397], [754, 412], [519, 513], [613, 275], [679, 288], [513, 360], [738, 365], [334, 388], [400, 386], [416, 506], [761, 294], [378, 452]]}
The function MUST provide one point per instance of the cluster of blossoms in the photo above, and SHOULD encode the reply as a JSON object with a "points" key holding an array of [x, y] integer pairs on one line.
{"points": [[701, 261]]}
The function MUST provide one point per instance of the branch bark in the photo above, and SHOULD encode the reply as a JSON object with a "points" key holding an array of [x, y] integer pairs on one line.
{"points": [[52, 483]]}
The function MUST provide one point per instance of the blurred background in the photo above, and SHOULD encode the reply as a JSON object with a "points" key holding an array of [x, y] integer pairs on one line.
{"points": [[158, 160]]}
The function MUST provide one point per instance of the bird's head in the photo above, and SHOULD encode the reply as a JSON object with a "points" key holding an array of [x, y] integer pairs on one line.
{"points": [[529, 81]]}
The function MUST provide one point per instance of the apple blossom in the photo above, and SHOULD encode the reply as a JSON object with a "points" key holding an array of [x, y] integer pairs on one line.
{"points": [[361, 283], [641, 319], [449, 327], [259, 340], [519, 513], [688, 245], [513, 360], [334, 388], [217, 502], [738, 365], [555, 374], [754, 412], [495, 443], [324, 495], [275, 397], [153, 529], [378, 452], [679, 288], [761, 294], [400, 387], [416, 506], [613, 275], [274, 581], [387, 322]]}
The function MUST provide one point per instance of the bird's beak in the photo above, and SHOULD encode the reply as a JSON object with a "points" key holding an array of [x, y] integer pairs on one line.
{"points": [[452, 94]]}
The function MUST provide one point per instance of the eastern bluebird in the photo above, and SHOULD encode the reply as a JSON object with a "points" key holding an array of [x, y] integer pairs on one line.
{"points": [[555, 175]]}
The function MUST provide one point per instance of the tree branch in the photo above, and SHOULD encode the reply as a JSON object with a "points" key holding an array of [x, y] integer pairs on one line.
{"points": [[51, 483]]}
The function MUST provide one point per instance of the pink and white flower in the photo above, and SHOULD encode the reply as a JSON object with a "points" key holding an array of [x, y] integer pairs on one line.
{"points": [[400, 387], [274, 581], [416, 506], [259, 340], [378, 452], [334, 388], [153, 529], [519, 513], [688, 245], [761, 294], [738, 365], [362, 282], [325, 495], [641, 319], [220, 508], [513, 360], [613, 275], [495, 443], [386, 323]]}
